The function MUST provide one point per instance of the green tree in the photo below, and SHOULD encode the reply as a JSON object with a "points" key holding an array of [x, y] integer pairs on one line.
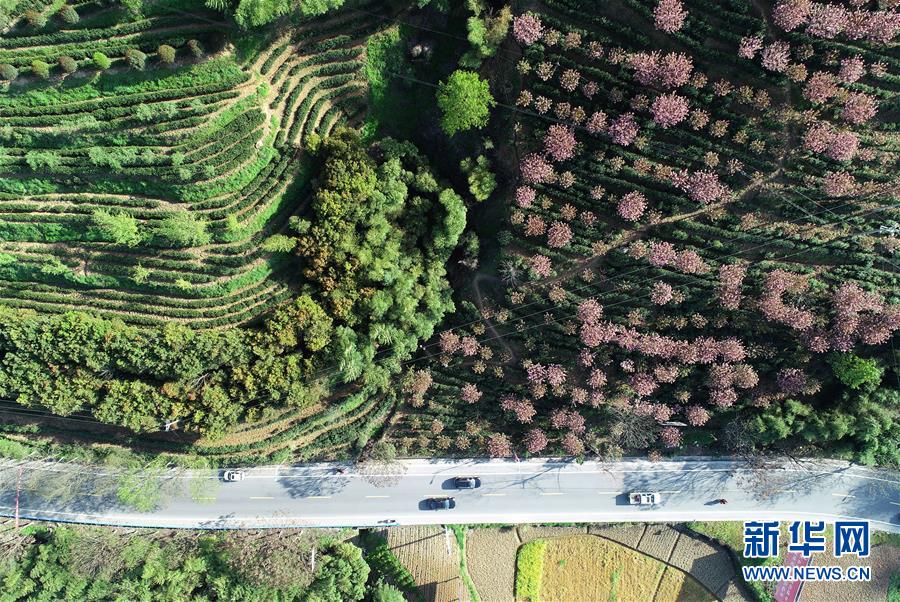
{"points": [[183, 229], [68, 15], [101, 61], [341, 577], [119, 227], [35, 18], [166, 54], [8, 72], [482, 181], [136, 59], [67, 64], [856, 372], [385, 592], [465, 100], [40, 69]]}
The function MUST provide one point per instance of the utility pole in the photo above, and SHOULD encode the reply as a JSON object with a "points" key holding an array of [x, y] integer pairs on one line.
{"points": [[18, 488]]}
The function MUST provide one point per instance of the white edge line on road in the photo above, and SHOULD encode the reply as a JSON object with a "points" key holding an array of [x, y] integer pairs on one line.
{"points": [[261, 497], [842, 494], [553, 493], [492, 494], [376, 496], [317, 497], [894, 503]]}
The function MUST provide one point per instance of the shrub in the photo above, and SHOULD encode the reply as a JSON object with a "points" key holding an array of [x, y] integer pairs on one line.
{"points": [[8, 72], [35, 18], [68, 15], [40, 69], [529, 566], [136, 59], [166, 54], [195, 48], [101, 61], [68, 64], [856, 372]]}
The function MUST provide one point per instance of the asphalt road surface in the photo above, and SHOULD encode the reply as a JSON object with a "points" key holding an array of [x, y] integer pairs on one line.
{"points": [[532, 491]]}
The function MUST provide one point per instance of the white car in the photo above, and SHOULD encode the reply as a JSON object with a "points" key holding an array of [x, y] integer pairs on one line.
{"points": [[644, 499], [232, 476]]}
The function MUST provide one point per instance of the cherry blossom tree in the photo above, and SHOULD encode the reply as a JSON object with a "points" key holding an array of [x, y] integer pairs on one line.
{"points": [[662, 293], [572, 444], [791, 14], [670, 436], [569, 79], [838, 183], [499, 446], [749, 46], [792, 381], [632, 206], [674, 70], [535, 169], [820, 87], [827, 20], [624, 129], [559, 235], [777, 283], [696, 416], [843, 146], [642, 383], [669, 109], [859, 108], [818, 137], [852, 69], [523, 409], [535, 440], [776, 56], [527, 29], [669, 15], [525, 196], [731, 277], [470, 393], [541, 265], [596, 123], [559, 142], [449, 342]]}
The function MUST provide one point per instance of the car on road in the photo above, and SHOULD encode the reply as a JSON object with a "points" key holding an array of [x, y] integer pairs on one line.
{"points": [[232, 476], [440, 503], [467, 482], [644, 498]]}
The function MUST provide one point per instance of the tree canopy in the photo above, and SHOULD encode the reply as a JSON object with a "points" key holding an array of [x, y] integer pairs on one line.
{"points": [[465, 101]]}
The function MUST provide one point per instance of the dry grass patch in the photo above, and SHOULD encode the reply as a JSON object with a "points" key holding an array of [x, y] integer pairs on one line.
{"points": [[423, 550], [491, 557]]}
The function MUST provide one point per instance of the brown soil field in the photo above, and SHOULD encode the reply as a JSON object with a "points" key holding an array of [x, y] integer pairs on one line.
{"points": [[491, 558], [423, 550], [884, 560]]}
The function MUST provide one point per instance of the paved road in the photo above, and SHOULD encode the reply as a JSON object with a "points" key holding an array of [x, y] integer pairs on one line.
{"points": [[511, 492]]}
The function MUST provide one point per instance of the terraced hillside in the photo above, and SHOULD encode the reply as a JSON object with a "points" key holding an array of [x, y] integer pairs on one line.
{"points": [[202, 160]]}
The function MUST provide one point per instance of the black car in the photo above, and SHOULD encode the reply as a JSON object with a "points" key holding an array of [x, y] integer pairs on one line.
{"points": [[467, 482], [440, 503]]}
